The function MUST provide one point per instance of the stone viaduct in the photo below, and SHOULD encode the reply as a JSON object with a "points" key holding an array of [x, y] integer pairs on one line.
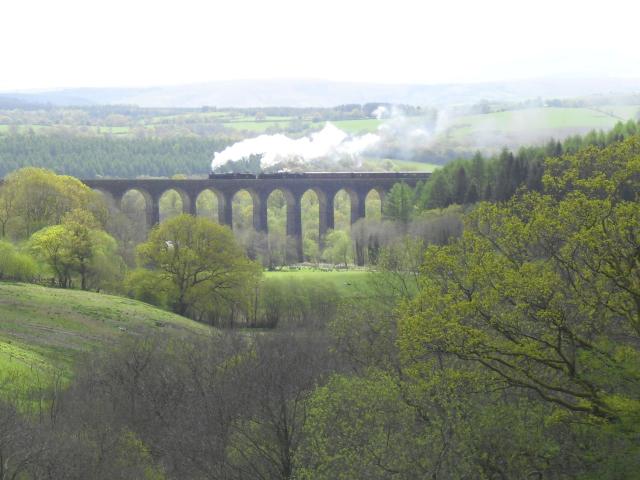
{"points": [[294, 186]]}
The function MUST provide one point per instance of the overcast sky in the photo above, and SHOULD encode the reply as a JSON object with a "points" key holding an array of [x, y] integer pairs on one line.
{"points": [[87, 43]]}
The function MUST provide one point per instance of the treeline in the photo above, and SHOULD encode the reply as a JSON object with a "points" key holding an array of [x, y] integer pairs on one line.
{"points": [[96, 156], [499, 178], [17, 112]]}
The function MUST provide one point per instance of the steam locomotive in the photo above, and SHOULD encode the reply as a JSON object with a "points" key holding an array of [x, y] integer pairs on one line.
{"points": [[334, 175]]}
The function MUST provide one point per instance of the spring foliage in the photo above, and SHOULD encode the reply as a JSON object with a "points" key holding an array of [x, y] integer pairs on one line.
{"points": [[200, 259], [541, 296]]}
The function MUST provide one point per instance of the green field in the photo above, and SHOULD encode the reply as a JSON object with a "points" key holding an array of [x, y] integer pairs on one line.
{"points": [[367, 125], [517, 127], [282, 123], [347, 282], [456, 135], [43, 330], [393, 164]]}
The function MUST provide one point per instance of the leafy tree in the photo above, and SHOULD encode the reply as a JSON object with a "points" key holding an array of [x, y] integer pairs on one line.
{"points": [[272, 385], [199, 257], [361, 428], [289, 303], [49, 245], [15, 265], [7, 210], [34, 198], [311, 249], [149, 286], [338, 247], [79, 247], [542, 294]]}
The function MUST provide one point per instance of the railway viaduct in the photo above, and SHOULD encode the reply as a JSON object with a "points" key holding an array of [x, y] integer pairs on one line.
{"points": [[325, 185]]}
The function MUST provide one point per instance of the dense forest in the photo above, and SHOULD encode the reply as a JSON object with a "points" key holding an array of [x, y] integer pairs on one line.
{"points": [[498, 178], [95, 156]]}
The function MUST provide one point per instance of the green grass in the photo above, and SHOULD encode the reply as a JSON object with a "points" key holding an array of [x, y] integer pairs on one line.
{"points": [[347, 282], [531, 125], [25, 128], [621, 112], [43, 330], [204, 116], [367, 125], [394, 165]]}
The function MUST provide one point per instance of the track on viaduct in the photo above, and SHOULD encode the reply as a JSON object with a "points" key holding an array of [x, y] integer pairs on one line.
{"points": [[325, 185]]}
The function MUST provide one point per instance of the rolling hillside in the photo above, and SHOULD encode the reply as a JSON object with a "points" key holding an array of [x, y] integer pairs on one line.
{"points": [[44, 330]]}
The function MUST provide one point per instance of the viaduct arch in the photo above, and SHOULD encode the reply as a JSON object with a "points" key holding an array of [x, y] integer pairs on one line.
{"points": [[325, 185]]}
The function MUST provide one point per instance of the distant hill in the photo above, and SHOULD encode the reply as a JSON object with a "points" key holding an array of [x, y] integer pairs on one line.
{"points": [[322, 93], [8, 102]]}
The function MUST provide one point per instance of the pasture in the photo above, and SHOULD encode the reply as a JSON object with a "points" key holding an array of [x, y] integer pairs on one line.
{"points": [[513, 128], [394, 164], [346, 282], [45, 330], [365, 125]]}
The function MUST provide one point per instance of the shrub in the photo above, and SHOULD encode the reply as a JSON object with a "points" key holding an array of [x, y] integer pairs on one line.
{"points": [[15, 265]]}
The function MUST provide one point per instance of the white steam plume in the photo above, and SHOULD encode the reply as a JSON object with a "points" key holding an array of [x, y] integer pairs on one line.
{"points": [[330, 142], [399, 136], [380, 112]]}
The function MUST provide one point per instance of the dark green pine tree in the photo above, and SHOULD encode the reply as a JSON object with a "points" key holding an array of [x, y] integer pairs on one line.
{"points": [[488, 193], [505, 176], [439, 193], [472, 194], [461, 186], [477, 169], [399, 203]]}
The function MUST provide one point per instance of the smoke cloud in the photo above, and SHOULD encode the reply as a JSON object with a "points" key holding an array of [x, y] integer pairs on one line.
{"points": [[398, 136], [330, 142], [380, 112]]}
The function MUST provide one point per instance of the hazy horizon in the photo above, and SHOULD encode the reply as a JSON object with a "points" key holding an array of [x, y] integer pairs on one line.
{"points": [[74, 44], [550, 79]]}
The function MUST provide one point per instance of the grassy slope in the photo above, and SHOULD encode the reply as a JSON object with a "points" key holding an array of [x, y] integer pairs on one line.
{"points": [[43, 330]]}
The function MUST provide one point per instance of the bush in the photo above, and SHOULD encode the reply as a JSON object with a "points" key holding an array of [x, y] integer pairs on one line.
{"points": [[292, 302], [150, 287], [15, 265]]}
